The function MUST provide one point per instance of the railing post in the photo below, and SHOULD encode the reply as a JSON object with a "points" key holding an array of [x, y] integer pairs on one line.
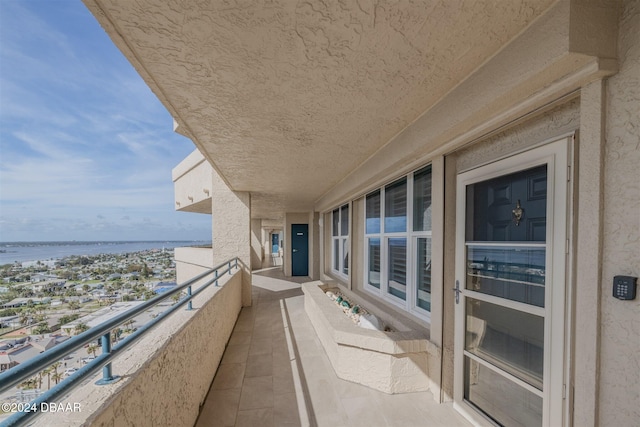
{"points": [[189, 305], [229, 267], [236, 262], [107, 376], [215, 276]]}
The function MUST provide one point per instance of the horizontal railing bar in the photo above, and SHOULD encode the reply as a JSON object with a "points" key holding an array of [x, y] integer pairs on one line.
{"points": [[23, 371], [64, 386]]}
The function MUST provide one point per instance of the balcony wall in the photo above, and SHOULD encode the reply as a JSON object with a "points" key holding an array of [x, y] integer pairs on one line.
{"points": [[192, 180], [167, 374], [191, 261]]}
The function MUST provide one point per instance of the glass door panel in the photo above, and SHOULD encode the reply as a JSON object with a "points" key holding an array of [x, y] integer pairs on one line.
{"points": [[509, 339], [516, 273], [506, 402], [505, 257]]}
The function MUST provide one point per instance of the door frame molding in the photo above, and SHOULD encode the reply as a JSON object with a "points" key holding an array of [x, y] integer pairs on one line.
{"points": [[556, 155]]}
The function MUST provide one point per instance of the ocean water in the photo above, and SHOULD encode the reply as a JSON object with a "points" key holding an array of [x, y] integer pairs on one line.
{"points": [[41, 251]]}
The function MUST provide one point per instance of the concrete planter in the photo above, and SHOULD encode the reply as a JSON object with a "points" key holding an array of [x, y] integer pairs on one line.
{"points": [[392, 362]]}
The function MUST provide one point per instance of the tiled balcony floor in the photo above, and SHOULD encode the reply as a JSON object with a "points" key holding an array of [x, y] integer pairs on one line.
{"points": [[275, 372]]}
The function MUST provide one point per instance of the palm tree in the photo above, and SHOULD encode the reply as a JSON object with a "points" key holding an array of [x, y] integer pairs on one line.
{"points": [[47, 372], [25, 317], [115, 334], [57, 376], [92, 349], [39, 379], [80, 328], [54, 367], [28, 384]]}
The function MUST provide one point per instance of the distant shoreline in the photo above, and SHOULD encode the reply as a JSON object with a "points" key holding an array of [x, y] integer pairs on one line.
{"points": [[25, 252]]}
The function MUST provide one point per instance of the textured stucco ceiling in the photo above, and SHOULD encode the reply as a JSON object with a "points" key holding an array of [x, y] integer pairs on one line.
{"points": [[287, 97]]}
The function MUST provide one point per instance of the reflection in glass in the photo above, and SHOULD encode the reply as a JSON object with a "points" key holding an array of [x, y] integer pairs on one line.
{"points": [[336, 222], [508, 403], [373, 212], [516, 273], [397, 284], [422, 200], [336, 254], [373, 270], [345, 256], [344, 220], [423, 273], [509, 339], [395, 206]]}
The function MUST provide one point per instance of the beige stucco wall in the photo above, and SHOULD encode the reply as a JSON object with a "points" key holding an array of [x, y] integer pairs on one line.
{"points": [[166, 375], [257, 239], [192, 184], [231, 230], [619, 387], [200, 257]]}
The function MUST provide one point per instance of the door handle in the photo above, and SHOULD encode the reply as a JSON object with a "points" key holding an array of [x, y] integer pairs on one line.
{"points": [[457, 291], [295, 250]]}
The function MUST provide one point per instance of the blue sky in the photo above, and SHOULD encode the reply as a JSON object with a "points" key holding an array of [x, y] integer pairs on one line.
{"points": [[86, 149]]}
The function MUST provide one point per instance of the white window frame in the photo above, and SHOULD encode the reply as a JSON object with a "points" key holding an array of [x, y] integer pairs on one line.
{"points": [[342, 240], [410, 304]]}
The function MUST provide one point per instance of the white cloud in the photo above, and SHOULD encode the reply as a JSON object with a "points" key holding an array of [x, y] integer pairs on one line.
{"points": [[87, 150]]}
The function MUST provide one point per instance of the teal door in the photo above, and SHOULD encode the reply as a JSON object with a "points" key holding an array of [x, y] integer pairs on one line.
{"points": [[299, 249]]}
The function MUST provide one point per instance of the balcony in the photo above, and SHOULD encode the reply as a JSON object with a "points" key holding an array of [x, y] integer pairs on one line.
{"points": [[222, 365], [192, 180], [275, 372]]}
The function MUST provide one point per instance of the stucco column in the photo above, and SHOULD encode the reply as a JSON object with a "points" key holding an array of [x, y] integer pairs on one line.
{"points": [[256, 244], [231, 230], [589, 254]]}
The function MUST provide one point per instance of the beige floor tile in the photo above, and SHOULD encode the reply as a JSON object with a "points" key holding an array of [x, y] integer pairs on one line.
{"points": [[363, 412], [235, 354], [261, 345], [259, 365], [219, 409], [229, 376], [285, 410], [255, 418], [283, 383], [240, 337], [244, 326], [257, 392]]}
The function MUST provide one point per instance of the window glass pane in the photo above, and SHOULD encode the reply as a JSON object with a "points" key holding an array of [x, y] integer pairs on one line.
{"points": [[511, 340], [373, 212], [373, 270], [397, 265], [345, 256], [336, 254], [492, 205], [336, 222], [422, 200], [423, 275], [344, 220], [395, 206], [507, 402], [512, 272]]}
